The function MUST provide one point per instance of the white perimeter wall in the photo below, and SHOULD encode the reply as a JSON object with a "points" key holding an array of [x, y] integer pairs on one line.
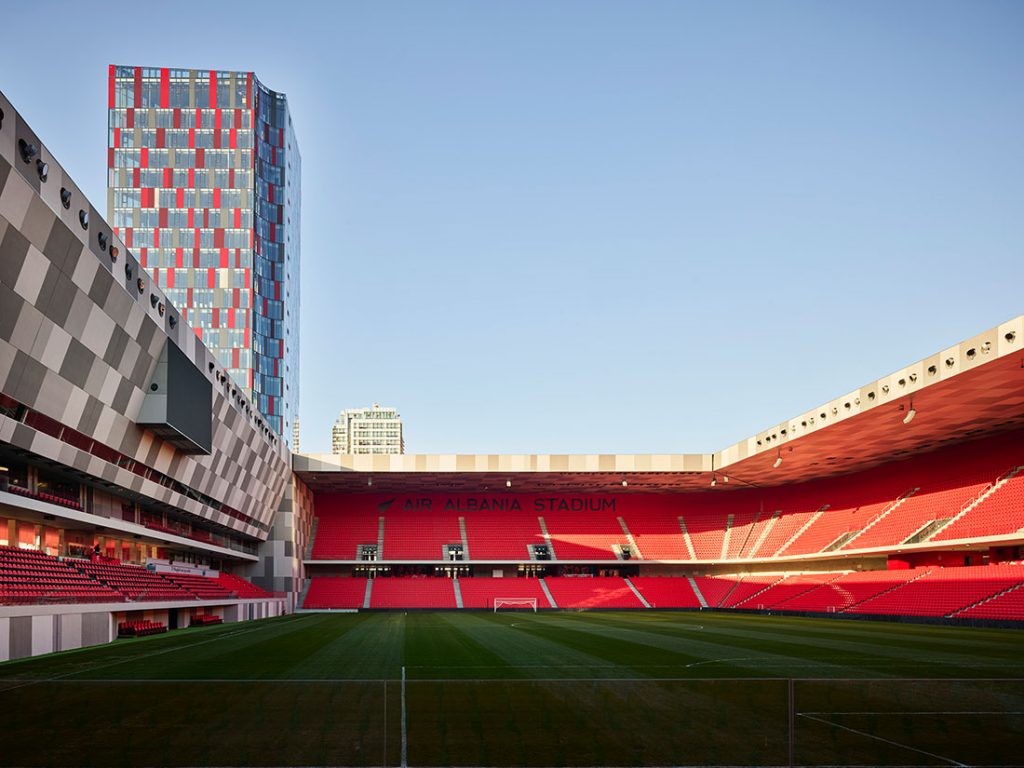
{"points": [[38, 629]]}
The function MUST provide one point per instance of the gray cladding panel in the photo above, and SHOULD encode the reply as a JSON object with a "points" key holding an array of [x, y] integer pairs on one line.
{"points": [[75, 329]]}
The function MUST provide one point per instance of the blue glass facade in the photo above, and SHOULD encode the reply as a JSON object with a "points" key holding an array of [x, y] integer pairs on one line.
{"points": [[276, 261]]}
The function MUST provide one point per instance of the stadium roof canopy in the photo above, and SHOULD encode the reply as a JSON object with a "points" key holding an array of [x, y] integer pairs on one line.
{"points": [[969, 390]]}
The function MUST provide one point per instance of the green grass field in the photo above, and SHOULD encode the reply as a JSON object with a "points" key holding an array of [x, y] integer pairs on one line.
{"points": [[572, 689]]}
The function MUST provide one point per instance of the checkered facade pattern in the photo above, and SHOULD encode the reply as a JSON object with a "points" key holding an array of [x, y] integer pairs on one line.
{"points": [[204, 185], [281, 568], [81, 331]]}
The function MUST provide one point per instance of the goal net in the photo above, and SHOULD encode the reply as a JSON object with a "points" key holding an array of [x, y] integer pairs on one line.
{"points": [[520, 603]]}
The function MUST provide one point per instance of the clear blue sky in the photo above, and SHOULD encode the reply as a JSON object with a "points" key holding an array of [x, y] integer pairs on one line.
{"points": [[602, 226]]}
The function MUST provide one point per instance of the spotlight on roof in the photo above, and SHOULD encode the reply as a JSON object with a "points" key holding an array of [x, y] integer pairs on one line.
{"points": [[714, 481], [725, 479], [369, 481], [778, 461], [911, 413], [27, 149], [508, 483], [624, 483]]}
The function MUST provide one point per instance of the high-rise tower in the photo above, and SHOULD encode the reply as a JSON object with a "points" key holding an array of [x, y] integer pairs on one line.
{"points": [[204, 186]]}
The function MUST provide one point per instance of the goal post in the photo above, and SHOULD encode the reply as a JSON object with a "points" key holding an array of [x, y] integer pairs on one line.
{"points": [[521, 603]]}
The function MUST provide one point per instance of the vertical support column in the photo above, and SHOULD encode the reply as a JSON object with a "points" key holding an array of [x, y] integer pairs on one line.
{"points": [[465, 538]]}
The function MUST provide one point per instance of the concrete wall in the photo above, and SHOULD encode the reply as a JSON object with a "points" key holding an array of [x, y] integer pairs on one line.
{"points": [[34, 630]]}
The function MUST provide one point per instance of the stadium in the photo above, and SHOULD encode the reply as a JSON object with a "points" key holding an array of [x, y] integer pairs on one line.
{"points": [[177, 588]]}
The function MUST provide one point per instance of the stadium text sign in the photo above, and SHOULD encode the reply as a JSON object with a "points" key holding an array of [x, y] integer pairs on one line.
{"points": [[508, 504]]}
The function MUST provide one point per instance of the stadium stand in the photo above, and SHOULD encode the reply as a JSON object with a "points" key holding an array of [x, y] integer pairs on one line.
{"points": [[133, 582], [917, 499], [501, 537], [747, 588], [990, 592], [240, 587], [342, 527], [335, 592], [584, 535], [417, 535], [714, 589], [1008, 604], [657, 534], [998, 513], [849, 589], [831, 526], [790, 587], [30, 577], [413, 592], [936, 500], [967, 490], [200, 586], [205, 620], [666, 592], [944, 591], [706, 529], [740, 532], [789, 525], [480, 592], [591, 592]]}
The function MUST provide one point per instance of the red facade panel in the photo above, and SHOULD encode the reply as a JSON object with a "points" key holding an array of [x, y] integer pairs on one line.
{"points": [[165, 88]]}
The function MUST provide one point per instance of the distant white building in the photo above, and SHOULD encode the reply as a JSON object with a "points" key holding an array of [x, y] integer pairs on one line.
{"points": [[368, 430]]}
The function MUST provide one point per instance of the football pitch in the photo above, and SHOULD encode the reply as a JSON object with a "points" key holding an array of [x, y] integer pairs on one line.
{"points": [[550, 689]]}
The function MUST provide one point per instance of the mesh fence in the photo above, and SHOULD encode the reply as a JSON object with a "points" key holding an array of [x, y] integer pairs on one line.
{"points": [[525, 722]]}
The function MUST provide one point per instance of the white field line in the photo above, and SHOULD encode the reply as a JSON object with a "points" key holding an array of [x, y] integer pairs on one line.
{"points": [[405, 743], [887, 741]]}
